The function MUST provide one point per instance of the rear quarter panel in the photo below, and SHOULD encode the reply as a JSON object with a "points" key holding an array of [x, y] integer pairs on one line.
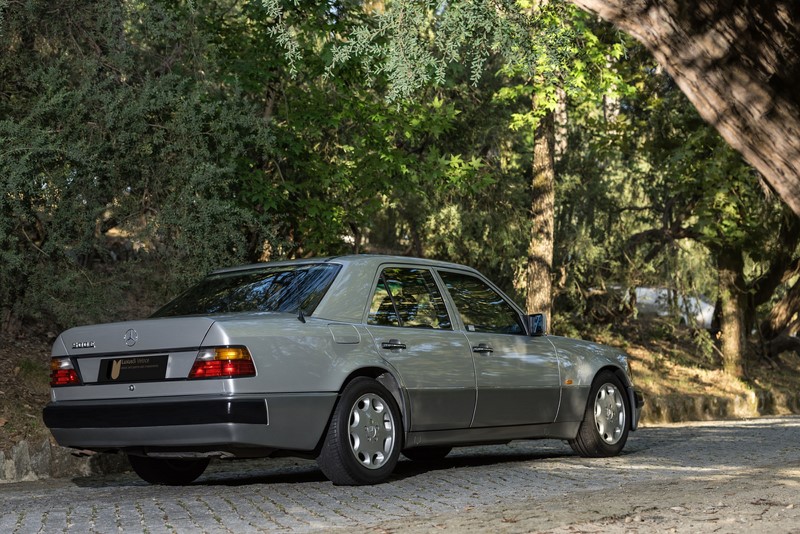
{"points": [[296, 357]]}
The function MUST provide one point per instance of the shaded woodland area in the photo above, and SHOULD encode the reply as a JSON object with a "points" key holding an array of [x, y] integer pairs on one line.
{"points": [[143, 144]]}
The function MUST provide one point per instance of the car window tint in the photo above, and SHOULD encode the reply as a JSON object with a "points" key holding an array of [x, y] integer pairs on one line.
{"points": [[276, 289], [482, 308], [408, 297]]}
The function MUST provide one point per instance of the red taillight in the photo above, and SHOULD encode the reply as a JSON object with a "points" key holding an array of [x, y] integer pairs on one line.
{"points": [[223, 362], [62, 373], [214, 369]]}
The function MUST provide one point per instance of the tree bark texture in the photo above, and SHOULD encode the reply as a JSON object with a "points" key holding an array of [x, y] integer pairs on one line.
{"points": [[733, 298], [783, 314], [540, 249], [738, 62]]}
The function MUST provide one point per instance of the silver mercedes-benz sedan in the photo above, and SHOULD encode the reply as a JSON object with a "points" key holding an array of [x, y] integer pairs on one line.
{"points": [[350, 360]]}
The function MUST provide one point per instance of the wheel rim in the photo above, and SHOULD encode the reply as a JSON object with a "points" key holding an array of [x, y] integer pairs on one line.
{"points": [[372, 431], [609, 413]]}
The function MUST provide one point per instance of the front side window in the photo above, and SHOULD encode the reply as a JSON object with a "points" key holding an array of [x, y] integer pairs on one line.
{"points": [[286, 288], [408, 297], [482, 308]]}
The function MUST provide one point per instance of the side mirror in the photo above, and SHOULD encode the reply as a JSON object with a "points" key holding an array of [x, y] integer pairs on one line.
{"points": [[537, 324]]}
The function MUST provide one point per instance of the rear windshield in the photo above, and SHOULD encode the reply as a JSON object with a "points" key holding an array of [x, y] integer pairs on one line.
{"points": [[286, 288]]}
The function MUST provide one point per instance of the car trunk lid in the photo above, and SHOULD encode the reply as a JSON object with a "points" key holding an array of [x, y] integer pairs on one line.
{"points": [[132, 337], [134, 351]]}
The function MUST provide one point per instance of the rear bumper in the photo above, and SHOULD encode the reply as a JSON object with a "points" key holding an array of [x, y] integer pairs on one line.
{"points": [[160, 413], [273, 422]]}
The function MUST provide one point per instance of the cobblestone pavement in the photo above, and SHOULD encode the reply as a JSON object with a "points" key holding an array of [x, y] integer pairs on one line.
{"points": [[731, 476]]}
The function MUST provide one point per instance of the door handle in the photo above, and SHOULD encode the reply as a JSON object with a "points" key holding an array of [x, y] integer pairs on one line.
{"points": [[393, 344], [482, 348]]}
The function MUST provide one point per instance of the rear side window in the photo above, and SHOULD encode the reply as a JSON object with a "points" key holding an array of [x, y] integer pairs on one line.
{"points": [[286, 288], [408, 297], [482, 308]]}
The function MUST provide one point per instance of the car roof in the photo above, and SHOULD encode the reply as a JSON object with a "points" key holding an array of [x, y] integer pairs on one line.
{"points": [[348, 296], [364, 260]]}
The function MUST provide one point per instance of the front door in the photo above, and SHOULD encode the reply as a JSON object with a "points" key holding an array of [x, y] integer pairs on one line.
{"points": [[517, 375]]}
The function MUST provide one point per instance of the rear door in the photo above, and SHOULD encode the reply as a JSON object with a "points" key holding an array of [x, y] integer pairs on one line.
{"points": [[413, 330], [517, 375]]}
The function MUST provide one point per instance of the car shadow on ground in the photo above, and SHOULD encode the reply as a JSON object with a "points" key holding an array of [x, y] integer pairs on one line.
{"points": [[270, 471], [255, 472], [307, 471], [408, 469]]}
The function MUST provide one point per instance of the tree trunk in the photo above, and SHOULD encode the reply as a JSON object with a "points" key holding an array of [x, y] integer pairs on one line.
{"points": [[782, 314], [733, 299], [540, 249], [738, 63]]}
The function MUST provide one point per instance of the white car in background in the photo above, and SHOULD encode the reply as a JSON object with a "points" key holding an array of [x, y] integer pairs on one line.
{"points": [[692, 310]]}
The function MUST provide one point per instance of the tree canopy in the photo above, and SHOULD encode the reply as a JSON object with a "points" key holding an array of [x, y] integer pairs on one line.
{"points": [[144, 144], [738, 63]]}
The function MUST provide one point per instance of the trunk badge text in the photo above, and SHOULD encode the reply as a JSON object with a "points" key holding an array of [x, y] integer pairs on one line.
{"points": [[83, 345], [131, 337]]}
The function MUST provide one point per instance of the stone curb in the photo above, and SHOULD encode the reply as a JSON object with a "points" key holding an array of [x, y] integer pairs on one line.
{"points": [[28, 462], [676, 408]]}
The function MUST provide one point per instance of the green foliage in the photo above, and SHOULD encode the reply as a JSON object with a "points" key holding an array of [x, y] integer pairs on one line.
{"points": [[106, 138], [648, 194], [184, 136], [412, 44], [705, 346]]}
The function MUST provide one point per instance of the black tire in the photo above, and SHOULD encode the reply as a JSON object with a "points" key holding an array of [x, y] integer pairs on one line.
{"points": [[364, 437], [606, 421], [427, 454], [168, 471]]}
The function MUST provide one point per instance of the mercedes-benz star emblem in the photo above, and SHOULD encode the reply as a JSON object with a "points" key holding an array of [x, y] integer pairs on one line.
{"points": [[131, 337]]}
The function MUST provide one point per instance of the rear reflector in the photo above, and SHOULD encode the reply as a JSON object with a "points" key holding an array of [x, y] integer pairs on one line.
{"points": [[223, 362]]}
